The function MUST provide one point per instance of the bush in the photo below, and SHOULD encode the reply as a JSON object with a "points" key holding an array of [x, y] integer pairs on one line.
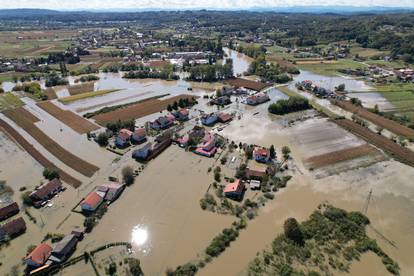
{"points": [[27, 199], [50, 174], [128, 175], [89, 223], [293, 231], [102, 139], [135, 267]]}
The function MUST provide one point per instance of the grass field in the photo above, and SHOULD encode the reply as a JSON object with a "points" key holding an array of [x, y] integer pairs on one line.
{"points": [[401, 96], [367, 52], [331, 69], [71, 160], [81, 88], [86, 95], [9, 100]]}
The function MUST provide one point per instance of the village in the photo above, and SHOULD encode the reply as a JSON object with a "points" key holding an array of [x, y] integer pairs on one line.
{"points": [[132, 152]]}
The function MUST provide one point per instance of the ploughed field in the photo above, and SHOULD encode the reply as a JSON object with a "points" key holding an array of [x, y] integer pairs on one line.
{"points": [[403, 154], [80, 88], [77, 123], [22, 118], [11, 132], [254, 85], [390, 125], [138, 110]]}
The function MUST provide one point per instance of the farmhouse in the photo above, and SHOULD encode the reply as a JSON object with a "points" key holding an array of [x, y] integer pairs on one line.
{"points": [[224, 117], [39, 255], [64, 248], [208, 148], [162, 123], [258, 98], [12, 229], [234, 190], [92, 201], [261, 155], [46, 192], [9, 211], [255, 174], [139, 136]]}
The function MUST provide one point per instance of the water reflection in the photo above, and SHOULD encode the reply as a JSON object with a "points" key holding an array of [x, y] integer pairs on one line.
{"points": [[139, 235]]}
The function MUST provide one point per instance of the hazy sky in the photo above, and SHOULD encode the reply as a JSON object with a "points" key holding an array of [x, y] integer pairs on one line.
{"points": [[182, 4]]}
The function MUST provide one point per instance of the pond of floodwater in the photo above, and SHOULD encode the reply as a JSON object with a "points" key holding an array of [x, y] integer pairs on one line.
{"points": [[241, 62], [331, 82], [370, 99]]}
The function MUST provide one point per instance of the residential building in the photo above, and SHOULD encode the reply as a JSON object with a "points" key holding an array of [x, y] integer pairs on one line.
{"points": [[39, 255], [112, 190], [224, 117], [209, 119], [162, 123], [142, 153], [258, 98], [261, 155], [123, 138], [9, 211], [46, 192], [254, 184], [182, 115], [255, 174], [12, 229], [139, 136], [234, 190], [92, 201], [64, 249]]}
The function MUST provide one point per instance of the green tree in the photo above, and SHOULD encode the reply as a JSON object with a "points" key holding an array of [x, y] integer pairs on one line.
{"points": [[286, 152], [102, 139], [50, 174], [272, 152], [128, 175], [292, 230]]}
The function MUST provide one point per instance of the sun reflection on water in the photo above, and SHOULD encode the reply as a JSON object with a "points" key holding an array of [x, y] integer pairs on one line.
{"points": [[139, 235]]}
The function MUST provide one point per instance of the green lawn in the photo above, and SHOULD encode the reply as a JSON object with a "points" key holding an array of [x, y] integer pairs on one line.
{"points": [[401, 96], [9, 100], [331, 69]]}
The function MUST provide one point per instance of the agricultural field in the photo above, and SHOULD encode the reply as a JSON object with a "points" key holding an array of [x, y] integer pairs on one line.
{"points": [[366, 52], [77, 123], [401, 96], [137, 110], [254, 85], [80, 88], [9, 100], [52, 146], [36, 154], [330, 68], [85, 95]]}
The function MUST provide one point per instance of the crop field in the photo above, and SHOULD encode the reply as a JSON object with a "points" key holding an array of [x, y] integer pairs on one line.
{"points": [[137, 110], [86, 95], [390, 125], [11, 132], [75, 122], [254, 85], [401, 96], [367, 52], [331, 69], [50, 93], [9, 100], [80, 165], [81, 88], [402, 154], [334, 157]]}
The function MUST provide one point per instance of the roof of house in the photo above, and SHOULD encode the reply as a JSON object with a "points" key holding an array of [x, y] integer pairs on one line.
{"points": [[65, 245], [15, 226], [224, 116], [9, 209], [233, 187], [48, 188], [40, 254], [111, 189], [93, 199], [256, 172], [184, 112], [125, 134], [140, 132], [262, 152]]}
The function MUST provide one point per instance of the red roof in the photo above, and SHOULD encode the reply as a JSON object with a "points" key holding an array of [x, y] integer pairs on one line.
{"points": [[93, 199], [233, 187], [9, 210], [47, 189], [224, 117], [125, 134], [184, 112], [262, 152], [40, 254], [14, 227], [140, 132]]}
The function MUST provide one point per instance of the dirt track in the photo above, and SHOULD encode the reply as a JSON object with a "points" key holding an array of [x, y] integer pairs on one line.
{"points": [[75, 122], [340, 156], [137, 110], [378, 120], [12, 133], [402, 154], [80, 165]]}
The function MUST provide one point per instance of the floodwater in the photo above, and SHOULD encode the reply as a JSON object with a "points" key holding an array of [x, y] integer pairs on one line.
{"points": [[370, 99], [331, 82], [241, 62]]}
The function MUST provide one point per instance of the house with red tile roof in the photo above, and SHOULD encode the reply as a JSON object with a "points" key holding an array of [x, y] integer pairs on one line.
{"points": [[9, 211], [256, 174], [123, 138], [257, 98], [92, 201], [112, 190], [139, 135], [234, 190], [261, 155], [39, 255], [182, 114], [224, 117]]}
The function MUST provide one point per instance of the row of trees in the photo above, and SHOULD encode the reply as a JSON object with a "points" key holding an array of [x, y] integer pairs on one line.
{"points": [[211, 73], [292, 104], [268, 72]]}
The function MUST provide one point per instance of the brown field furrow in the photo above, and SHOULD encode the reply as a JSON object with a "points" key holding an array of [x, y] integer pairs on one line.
{"points": [[340, 156], [50, 145], [402, 154], [50, 93], [75, 122], [254, 85], [390, 125], [12, 133], [137, 110], [27, 114]]}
